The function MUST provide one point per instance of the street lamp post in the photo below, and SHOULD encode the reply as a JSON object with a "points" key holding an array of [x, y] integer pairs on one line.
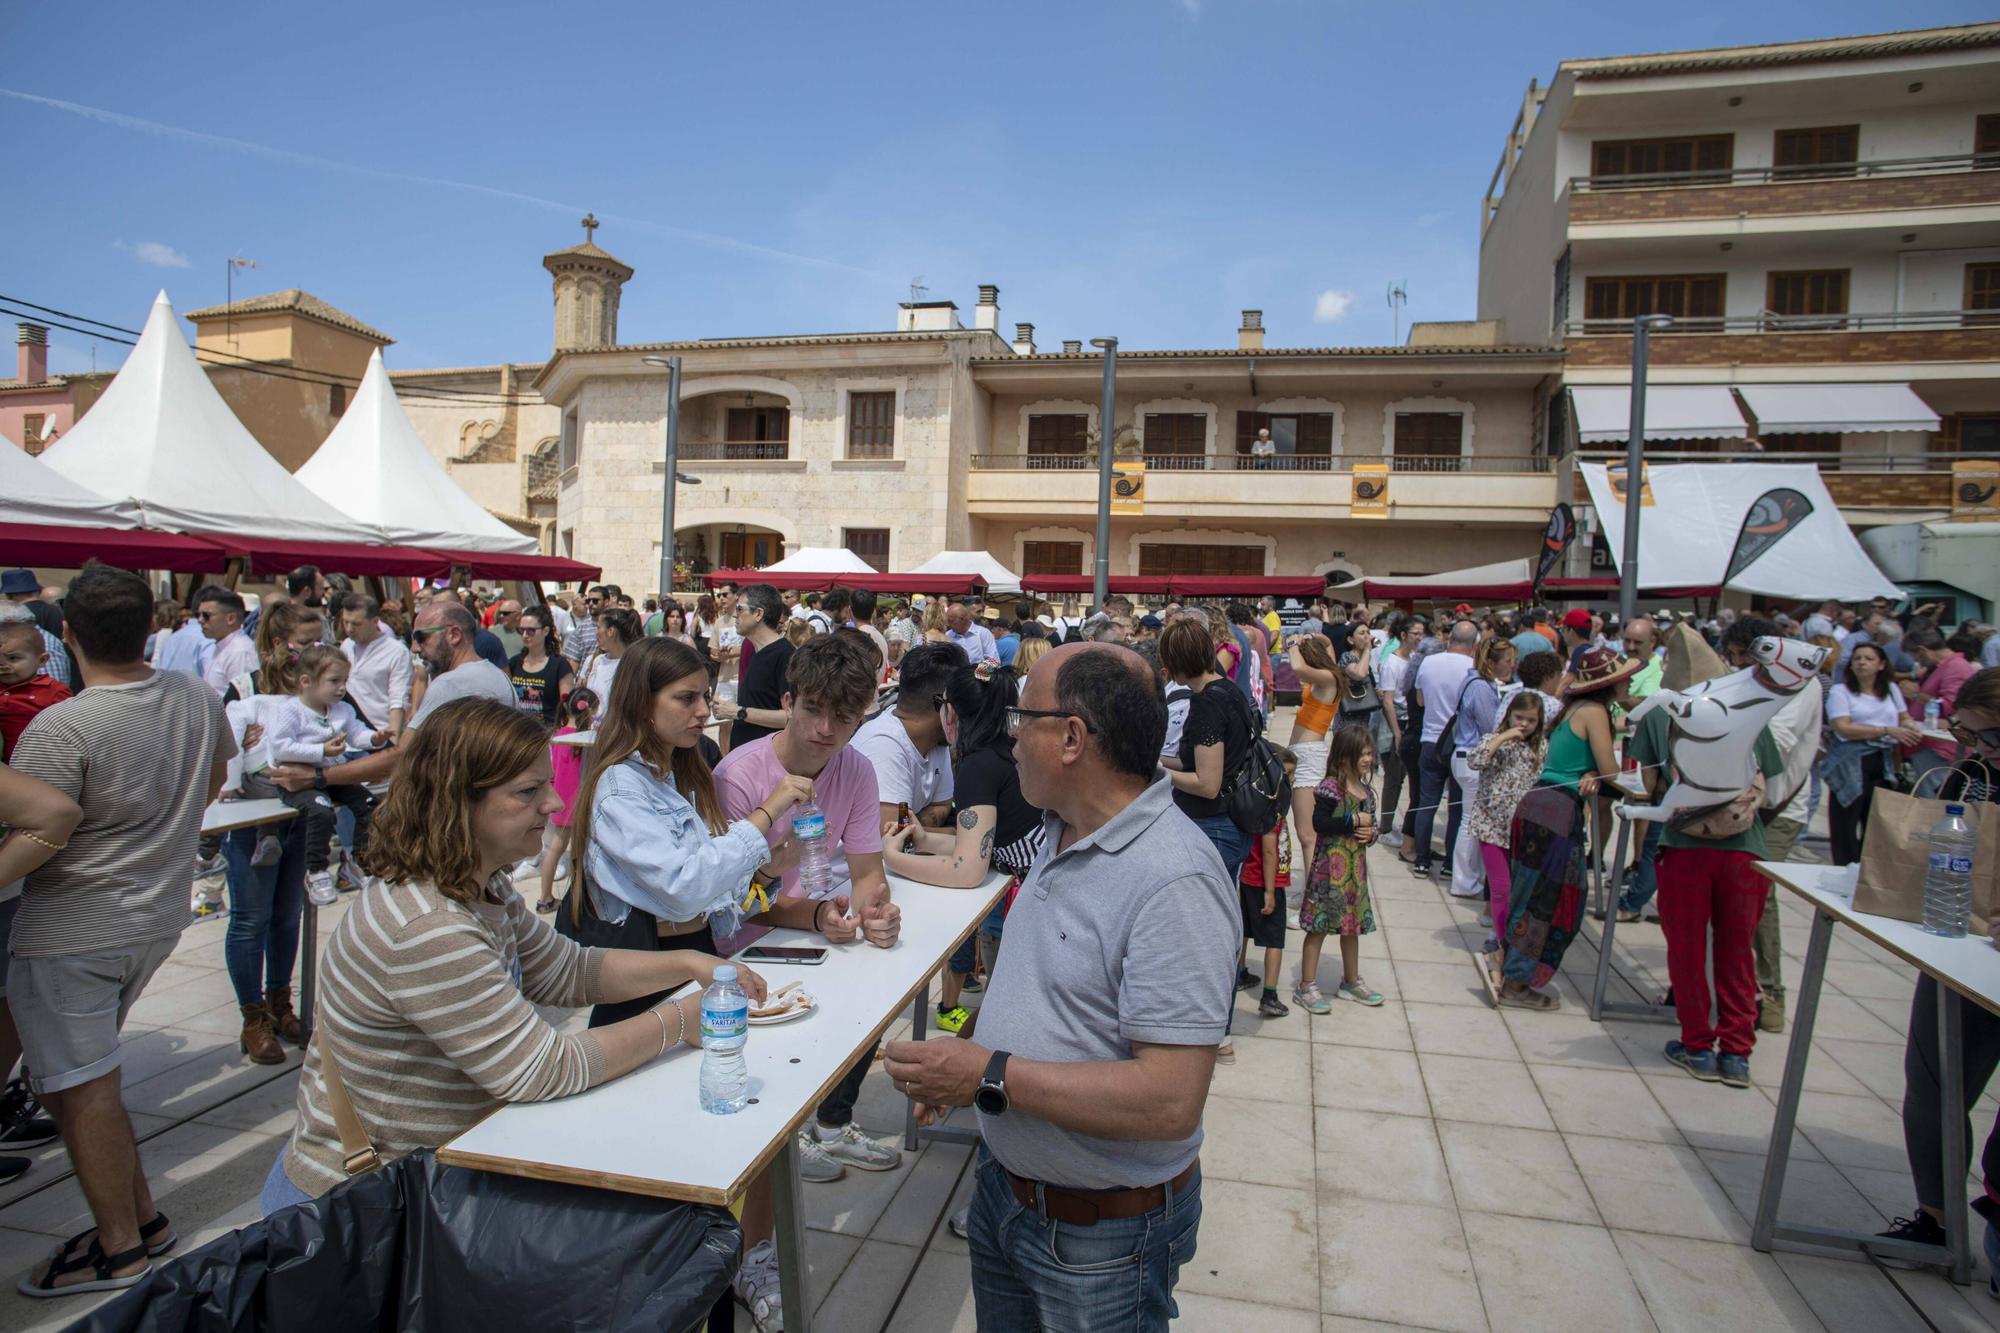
{"points": [[1628, 582], [672, 473], [1100, 586]]}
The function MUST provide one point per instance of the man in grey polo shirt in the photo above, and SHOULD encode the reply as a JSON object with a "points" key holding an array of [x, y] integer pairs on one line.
{"points": [[1098, 1032]]}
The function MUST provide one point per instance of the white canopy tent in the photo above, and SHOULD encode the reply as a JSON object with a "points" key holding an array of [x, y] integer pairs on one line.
{"points": [[998, 577], [162, 441], [1687, 535], [1673, 412], [376, 468], [821, 560], [31, 493], [1793, 409]]}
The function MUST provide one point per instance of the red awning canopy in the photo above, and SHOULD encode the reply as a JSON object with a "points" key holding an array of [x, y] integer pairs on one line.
{"points": [[1143, 585], [264, 555], [535, 568], [937, 585], [1246, 585], [745, 577], [51, 546]]}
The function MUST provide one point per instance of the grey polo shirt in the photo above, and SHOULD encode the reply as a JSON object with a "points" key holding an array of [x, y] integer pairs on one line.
{"points": [[1130, 935]]}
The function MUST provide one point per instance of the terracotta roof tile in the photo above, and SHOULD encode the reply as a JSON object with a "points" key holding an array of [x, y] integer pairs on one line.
{"points": [[1919, 41], [292, 299]]}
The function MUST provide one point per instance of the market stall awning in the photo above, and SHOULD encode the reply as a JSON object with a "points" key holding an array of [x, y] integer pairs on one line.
{"points": [[1128, 585], [998, 577], [52, 546], [934, 585], [268, 555], [796, 580], [506, 565], [31, 492], [1246, 585], [1504, 581], [1804, 409], [1673, 412], [819, 560]]}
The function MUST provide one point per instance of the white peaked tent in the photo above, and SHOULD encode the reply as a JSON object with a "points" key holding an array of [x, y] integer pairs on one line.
{"points": [[376, 468], [997, 576], [821, 560], [31, 493], [162, 439]]}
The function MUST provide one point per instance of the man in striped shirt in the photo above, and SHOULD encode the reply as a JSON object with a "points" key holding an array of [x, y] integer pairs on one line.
{"points": [[143, 753]]}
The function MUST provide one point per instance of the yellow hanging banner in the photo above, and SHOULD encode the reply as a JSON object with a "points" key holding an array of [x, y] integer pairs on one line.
{"points": [[1614, 476], [1975, 489], [1371, 491], [1128, 486]]}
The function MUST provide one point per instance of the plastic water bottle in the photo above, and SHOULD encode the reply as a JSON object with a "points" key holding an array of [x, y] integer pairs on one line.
{"points": [[725, 691], [1948, 883], [725, 1027], [1933, 713], [815, 862]]}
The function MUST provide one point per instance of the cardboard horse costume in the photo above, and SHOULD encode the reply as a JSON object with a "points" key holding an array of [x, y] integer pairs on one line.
{"points": [[1716, 724]]}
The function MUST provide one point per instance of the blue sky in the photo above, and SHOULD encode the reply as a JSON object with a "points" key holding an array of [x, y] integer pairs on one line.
{"points": [[1140, 167]]}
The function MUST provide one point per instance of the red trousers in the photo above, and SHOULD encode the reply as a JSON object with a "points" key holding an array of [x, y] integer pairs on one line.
{"points": [[1704, 892]]}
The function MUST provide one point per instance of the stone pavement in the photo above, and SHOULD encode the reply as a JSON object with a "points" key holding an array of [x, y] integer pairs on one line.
{"points": [[1428, 1164]]}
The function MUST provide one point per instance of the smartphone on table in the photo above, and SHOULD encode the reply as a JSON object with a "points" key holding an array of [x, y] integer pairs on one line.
{"points": [[799, 955]]}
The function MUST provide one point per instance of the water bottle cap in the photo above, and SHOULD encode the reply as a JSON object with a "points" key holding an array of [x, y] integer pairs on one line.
{"points": [[725, 971], [1954, 809]]}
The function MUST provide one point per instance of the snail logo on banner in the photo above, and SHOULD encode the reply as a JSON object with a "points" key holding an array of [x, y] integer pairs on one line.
{"points": [[1771, 516], [1371, 491], [1614, 477], [1556, 538], [1128, 486], [1975, 489]]}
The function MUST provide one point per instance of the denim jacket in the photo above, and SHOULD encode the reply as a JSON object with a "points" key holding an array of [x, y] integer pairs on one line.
{"points": [[1842, 768], [650, 849]]}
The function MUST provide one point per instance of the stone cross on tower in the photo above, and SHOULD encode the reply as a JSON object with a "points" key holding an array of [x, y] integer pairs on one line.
{"points": [[587, 284], [590, 226]]}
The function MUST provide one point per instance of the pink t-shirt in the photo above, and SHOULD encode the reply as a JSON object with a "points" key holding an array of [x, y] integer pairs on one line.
{"points": [[844, 789], [566, 768]]}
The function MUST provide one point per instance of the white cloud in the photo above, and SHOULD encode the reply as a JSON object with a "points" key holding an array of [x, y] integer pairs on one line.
{"points": [[1192, 8], [1332, 306], [157, 253]]}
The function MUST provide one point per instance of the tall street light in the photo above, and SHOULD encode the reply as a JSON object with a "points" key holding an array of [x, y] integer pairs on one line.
{"points": [[1628, 582], [672, 473], [1101, 581]]}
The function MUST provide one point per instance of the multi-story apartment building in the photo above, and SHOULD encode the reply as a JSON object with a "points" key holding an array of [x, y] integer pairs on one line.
{"points": [[1821, 219]]}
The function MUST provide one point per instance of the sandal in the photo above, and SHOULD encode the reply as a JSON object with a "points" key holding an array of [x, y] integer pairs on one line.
{"points": [[1527, 998], [545, 906], [96, 1261], [1627, 918]]}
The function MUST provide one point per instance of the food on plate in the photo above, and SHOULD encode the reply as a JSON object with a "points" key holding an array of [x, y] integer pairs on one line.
{"points": [[782, 1001]]}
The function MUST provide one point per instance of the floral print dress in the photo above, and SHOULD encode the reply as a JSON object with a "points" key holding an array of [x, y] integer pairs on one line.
{"points": [[1336, 896]]}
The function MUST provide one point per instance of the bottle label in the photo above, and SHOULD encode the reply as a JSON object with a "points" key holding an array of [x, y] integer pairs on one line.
{"points": [[724, 1024], [809, 827], [1956, 865]]}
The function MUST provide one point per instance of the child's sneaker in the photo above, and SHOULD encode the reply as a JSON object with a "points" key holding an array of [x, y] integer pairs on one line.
{"points": [[1271, 1006], [1361, 992], [1701, 1064], [319, 888], [1308, 998], [952, 1019], [269, 850], [1734, 1069]]}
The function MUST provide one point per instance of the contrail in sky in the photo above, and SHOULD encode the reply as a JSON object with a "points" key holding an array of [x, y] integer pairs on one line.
{"points": [[203, 139]]}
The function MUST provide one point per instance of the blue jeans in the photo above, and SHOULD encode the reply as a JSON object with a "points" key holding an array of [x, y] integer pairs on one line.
{"points": [[265, 904], [1436, 788], [966, 957], [1030, 1272], [1232, 844], [1646, 882], [279, 1191]]}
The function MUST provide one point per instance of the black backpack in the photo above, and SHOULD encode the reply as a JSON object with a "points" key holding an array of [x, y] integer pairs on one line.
{"points": [[1257, 793]]}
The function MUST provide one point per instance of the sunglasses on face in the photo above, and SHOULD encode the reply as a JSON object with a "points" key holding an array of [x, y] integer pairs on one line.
{"points": [[1985, 737], [419, 635]]}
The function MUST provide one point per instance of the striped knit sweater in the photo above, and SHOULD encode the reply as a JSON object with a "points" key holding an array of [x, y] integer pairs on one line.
{"points": [[431, 1004]]}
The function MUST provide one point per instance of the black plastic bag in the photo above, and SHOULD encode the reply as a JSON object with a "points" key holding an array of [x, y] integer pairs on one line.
{"points": [[420, 1246]]}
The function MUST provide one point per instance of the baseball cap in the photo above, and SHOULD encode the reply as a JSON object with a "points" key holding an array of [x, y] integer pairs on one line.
{"points": [[1577, 619], [1151, 622], [1462, 609]]}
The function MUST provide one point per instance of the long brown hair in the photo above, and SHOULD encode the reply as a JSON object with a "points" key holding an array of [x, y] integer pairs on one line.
{"points": [[423, 831], [1350, 741], [625, 728], [277, 669]]}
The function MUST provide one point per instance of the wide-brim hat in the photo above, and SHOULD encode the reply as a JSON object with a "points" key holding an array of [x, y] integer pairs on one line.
{"points": [[19, 580], [1599, 670], [1690, 660]]}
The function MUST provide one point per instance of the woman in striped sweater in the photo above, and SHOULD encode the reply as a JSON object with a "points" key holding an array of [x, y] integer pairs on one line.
{"points": [[429, 983]]}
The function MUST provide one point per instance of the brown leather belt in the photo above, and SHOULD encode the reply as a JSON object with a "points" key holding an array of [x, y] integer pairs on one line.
{"points": [[1084, 1208], [669, 929]]}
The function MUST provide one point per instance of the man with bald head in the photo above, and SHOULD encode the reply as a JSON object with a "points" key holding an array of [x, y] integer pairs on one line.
{"points": [[1097, 1035]]}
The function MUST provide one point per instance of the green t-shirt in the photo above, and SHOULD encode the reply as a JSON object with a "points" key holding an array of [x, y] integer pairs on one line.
{"points": [[1649, 746]]}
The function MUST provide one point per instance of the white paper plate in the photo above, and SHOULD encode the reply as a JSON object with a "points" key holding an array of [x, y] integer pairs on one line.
{"points": [[810, 1005]]}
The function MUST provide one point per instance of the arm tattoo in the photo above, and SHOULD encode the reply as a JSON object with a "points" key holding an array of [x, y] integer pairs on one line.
{"points": [[967, 819], [986, 846]]}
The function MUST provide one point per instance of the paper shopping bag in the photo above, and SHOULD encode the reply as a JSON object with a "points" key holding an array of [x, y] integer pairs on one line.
{"points": [[1895, 857]]}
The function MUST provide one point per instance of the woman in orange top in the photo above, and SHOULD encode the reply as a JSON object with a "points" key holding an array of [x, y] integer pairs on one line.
{"points": [[1319, 703]]}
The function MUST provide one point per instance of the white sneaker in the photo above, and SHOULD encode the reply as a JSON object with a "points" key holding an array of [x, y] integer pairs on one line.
{"points": [[960, 1224], [854, 1148], [1390, 838], [757, 1287], [815, 1164], [319, 888]]}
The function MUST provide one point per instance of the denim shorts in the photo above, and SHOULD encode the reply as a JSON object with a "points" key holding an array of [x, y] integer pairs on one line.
{"points": [[70, 1007]]}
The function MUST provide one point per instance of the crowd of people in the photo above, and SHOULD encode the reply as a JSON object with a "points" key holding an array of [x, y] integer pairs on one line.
{"points": [[1102, 764]]}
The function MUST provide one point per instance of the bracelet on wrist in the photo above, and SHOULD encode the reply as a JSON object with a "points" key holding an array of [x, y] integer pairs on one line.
{"points": [[823, 904]]}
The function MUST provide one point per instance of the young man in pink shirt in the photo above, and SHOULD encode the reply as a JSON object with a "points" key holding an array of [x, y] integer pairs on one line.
{"points": [[830, 685]]}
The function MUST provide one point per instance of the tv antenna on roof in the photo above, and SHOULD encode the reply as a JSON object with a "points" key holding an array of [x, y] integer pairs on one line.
{"points": [[917, 289], [1399, 296]]}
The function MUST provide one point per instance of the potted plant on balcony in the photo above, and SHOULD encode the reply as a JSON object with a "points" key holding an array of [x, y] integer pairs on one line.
{"points": [[1126, 444]]}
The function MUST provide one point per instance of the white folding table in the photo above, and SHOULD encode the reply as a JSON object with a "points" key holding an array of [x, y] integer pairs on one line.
{"points": [[1965, 969], [647, 1134]]}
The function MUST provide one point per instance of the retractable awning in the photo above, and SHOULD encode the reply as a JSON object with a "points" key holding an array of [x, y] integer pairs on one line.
{"points": [[1800, 409], [1673, 412]]}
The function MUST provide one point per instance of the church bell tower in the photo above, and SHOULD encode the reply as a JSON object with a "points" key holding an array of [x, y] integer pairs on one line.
{"points": [[587, 283]]}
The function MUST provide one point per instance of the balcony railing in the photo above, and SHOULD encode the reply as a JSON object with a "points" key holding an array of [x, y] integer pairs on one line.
{"points": [[1851, 460], [1770, 321], [1514, 463], [1878, 480], [734, 451], [1894, 166]]}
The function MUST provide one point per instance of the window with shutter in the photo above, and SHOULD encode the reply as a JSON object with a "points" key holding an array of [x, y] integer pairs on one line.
{"points": [[1428, 442], [1304, 439], [1986, 140], [1160, 560], [1052, 557], [1982, 292], [1829, 150], [871, 425], [1805, 298], [871, 544], [1057, 439], [1683, 160], [1693, 299], [1176, 440]]}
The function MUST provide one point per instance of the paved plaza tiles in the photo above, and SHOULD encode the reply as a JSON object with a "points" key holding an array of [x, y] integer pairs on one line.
{"points": [[1428, 1164]]}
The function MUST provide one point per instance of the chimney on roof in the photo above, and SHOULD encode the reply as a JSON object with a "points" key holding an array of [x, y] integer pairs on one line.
{"points": [[1024, 340], [986, 315], [1250, 337], [1072, 347], [31, 355]]}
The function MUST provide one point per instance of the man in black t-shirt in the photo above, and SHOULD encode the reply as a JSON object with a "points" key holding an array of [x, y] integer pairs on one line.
{"points": [[760, 697]]}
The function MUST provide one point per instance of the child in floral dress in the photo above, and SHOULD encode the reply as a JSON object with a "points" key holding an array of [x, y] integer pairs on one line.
{"points": [[1336, 896], [1508, 762]]}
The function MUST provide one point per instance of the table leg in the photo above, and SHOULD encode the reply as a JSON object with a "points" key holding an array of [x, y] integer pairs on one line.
{"points": [[791, 1238], [308, 969], [1951, 1065], [1605, 933], [919, 1024], [1778, 1155]]}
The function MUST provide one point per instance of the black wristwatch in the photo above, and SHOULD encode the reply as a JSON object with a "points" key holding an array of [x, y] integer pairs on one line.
{"points": [[992, 1095], [742, 714]]}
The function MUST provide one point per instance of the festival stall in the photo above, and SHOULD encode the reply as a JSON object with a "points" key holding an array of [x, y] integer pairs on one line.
{"points": [[997, 577], [1122, 585], [931, 585]]}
